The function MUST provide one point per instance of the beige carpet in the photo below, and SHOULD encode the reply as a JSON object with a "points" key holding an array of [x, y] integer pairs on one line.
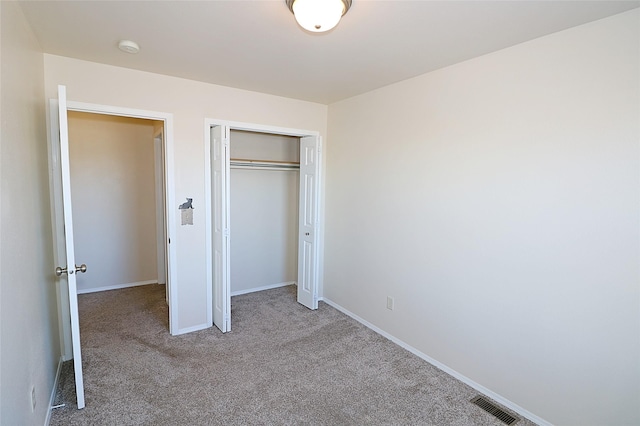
{"points": [[281, 365]]}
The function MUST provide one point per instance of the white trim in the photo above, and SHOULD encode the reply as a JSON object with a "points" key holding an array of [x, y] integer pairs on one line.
{"points": [[172, 257], [52, 398], [208, 247], [119, 111], [249, 127], [441, 366], [160, 195], [265, 287], [116, 286]]}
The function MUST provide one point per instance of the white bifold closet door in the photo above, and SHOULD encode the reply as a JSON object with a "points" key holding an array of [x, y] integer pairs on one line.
{"points": [[220, 233], [308, 223]]}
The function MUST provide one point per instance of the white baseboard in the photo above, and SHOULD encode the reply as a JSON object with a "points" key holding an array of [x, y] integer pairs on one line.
{"points": [[266, 287], [115, 286], [47, 419], [505, 402]]}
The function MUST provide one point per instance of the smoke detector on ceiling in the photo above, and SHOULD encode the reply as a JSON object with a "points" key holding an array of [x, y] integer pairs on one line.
{"points": [[129, 46]]}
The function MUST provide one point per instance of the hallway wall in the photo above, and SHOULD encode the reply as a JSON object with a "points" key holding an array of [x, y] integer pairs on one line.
{"points": [[113, 197]]}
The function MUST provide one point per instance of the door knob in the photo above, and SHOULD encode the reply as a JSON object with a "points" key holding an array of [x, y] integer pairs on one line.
{"points": [[82, 268]]}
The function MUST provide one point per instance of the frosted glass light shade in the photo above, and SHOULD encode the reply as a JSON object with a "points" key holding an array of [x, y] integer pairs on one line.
{"points": [[318, 15]]}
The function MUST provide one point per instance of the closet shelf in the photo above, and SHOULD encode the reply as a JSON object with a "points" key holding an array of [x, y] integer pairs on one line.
{"points": [[243, 163]]}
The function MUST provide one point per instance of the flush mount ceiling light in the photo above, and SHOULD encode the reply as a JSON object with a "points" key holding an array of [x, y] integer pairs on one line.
{"points": [[318, 15], [129, 46]]}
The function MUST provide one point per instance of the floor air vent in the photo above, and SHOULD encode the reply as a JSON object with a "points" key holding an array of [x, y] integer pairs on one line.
{"points": [[493, 409]]}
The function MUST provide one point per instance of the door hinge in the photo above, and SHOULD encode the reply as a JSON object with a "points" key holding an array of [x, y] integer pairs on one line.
{"points": [[226, 232]]}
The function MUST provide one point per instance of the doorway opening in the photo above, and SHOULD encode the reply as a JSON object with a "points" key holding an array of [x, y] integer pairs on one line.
{"points": [[163, 149], [264, 190], [268, 179], [63, 225], [117, 181]]}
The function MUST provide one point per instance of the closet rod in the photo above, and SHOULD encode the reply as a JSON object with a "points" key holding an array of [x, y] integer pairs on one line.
{"points": [[241, 163], [246, 160]]}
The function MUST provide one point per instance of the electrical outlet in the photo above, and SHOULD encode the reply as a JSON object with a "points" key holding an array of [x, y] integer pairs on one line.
{"points": [[390, 303], [33, 399]]}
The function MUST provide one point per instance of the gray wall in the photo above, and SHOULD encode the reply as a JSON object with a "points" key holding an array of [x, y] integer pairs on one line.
{"points": [[29, 324], [497, 201]]}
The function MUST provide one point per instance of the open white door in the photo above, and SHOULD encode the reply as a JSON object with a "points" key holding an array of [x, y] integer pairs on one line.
{"points": [[220, 232], [70, 269], [308, 222]]}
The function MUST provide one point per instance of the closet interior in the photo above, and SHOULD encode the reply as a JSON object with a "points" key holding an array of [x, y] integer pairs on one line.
{"points": [[264, 204]]}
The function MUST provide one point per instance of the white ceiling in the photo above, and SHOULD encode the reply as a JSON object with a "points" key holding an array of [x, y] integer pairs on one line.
{"points": [[257, 45]]}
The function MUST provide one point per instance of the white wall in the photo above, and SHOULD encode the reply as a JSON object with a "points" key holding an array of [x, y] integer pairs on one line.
{"points": [[264, 213], [497, 201], [262, 146], [29, 341], [190, 102], [113, 197]]}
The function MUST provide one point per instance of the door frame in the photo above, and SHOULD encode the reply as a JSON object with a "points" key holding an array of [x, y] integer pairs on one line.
{"points": [[209, 123], [56, 205], [161, 202]]}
